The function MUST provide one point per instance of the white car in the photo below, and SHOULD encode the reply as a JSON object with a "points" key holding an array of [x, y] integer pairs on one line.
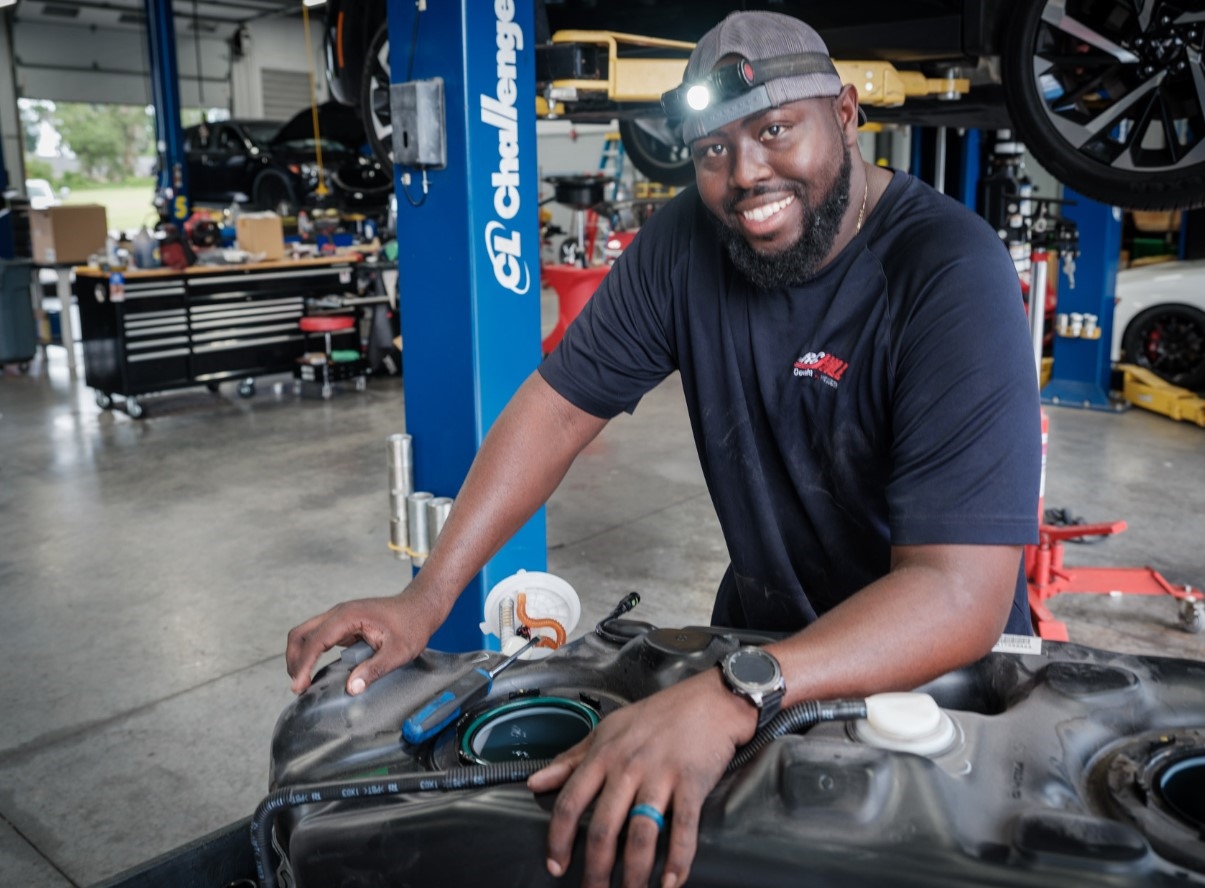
{"points": [[41, 195], [1159, 321]]}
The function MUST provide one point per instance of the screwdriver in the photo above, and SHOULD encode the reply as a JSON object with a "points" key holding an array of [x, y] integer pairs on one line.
{"points": [[447, 705]]}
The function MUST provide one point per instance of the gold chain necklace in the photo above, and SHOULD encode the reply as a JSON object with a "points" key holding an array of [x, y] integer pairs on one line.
{"points": [[862, 212]]}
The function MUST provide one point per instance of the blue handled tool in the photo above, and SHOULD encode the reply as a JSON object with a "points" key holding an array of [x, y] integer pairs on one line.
{"points": [[447, 705]]}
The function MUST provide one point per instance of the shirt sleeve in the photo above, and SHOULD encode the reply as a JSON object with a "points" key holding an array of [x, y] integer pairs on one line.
{"points": [[966, 417], [621, 345]]}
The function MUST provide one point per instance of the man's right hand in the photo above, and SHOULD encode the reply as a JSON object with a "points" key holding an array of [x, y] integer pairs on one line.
{"points": [[393, 626], [524, 457]]}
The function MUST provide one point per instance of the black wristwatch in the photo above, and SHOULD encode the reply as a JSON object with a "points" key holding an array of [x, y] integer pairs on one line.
{"points": [[755, 675]]}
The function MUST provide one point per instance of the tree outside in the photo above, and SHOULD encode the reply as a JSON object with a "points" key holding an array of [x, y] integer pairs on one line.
{"points": [[106, 139], [87, 143], [101, 153]]}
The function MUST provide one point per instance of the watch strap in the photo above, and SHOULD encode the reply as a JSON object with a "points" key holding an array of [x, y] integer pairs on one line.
{"points": [[771, 704]]}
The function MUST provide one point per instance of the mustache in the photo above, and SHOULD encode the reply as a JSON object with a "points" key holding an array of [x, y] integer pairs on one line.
{"points": [[761, 191]]}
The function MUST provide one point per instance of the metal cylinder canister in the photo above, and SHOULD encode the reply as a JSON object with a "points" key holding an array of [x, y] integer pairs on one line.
{"points": [[437, 513], [400, 464], [416, 515]]}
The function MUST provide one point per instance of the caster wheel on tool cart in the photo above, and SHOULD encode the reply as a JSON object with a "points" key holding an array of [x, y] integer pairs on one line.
{"points": [[213, 387], [1192, 615], [246, 389], [103, 401], [134, 408]]}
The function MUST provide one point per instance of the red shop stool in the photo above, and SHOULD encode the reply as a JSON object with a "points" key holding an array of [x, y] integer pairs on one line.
{"points": [[574, 286], [330, 366]]}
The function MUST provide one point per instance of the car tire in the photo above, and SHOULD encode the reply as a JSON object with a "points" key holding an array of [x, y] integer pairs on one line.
{"points": [[656, 152], [273, 192], [1168, 340], [374, 97], [1143, 146]]}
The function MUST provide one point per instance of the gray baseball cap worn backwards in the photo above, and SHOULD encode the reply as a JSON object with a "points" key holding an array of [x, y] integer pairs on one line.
{"points": [[779, 59]]}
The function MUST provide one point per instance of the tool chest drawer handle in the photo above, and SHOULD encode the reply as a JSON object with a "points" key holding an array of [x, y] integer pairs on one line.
{"points": [[142, 318], [157, 330], [137, 293], [155, 343], [227, 344], [248, 333], [153, 356], [246, 320], [225, 310]]}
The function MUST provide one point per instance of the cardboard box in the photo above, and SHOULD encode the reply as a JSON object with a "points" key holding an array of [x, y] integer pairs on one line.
{"points": [[67, 235], [261, 233]]}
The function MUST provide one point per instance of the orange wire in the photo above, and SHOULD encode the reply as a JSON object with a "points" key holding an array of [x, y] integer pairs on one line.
{"points": [[531, 623]]}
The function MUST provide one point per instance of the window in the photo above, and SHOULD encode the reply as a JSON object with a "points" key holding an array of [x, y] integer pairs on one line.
{"points": [[229, 140]]}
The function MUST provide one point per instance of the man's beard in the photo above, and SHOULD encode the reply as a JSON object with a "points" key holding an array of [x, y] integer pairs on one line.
{"points": [[800, 261]]}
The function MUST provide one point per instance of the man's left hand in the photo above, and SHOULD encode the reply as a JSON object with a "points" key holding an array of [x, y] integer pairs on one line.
{"points": [[667, 751]]}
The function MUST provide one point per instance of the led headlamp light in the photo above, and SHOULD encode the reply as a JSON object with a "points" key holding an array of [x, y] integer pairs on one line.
{"points": [[720, 85], [739, 88]]}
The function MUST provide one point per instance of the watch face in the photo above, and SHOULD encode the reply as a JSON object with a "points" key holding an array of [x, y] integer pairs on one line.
{"points": [[753, 667]]}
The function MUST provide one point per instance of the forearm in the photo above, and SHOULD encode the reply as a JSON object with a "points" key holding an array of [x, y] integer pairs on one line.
{"points": [[929, 615], [522, 460]]}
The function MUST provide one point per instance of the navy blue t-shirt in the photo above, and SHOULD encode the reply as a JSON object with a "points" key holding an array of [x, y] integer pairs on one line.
{"points": [[891, 400]]}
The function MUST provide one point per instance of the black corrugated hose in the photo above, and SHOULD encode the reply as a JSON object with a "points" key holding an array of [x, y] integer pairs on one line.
{"points": [[793, 720]]}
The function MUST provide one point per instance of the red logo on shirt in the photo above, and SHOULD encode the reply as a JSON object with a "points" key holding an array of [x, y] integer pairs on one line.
{"points": [[821, 365]]}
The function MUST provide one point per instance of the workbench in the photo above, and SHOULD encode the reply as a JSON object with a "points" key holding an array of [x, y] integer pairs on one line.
{"points": [[164, 329]]}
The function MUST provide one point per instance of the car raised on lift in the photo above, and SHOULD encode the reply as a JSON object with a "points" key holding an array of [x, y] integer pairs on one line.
{"points": [[1108, 95]]}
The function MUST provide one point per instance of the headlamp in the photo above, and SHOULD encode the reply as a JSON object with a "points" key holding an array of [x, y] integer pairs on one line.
{"points": [[721, 84], [732, 81]]}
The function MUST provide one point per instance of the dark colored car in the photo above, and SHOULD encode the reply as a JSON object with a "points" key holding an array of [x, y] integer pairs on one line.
{"points": [[274, 166], [1108, 95]]}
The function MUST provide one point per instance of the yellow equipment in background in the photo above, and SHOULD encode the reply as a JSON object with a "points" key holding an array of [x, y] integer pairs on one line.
{"points": [[643, 78], [1144, 389]]}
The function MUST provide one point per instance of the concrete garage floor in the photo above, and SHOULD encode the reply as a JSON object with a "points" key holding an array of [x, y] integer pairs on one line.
{"points": [[149, 571]]}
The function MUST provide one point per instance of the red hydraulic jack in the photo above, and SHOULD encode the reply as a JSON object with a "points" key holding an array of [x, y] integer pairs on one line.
{"points": [[1045, 571], [1048, 576]]}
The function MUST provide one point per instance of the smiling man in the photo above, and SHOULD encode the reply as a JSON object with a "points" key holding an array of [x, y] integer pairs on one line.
{"points": [[858, 375]]}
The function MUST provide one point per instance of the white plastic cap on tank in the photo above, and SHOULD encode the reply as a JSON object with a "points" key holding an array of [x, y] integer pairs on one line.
{"points": [[547, 597], [906, 722]]}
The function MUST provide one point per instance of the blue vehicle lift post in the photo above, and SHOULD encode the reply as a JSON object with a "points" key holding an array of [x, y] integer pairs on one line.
{"points": [[951, 155], [1082, 367], [165, 93], [469, 257]]}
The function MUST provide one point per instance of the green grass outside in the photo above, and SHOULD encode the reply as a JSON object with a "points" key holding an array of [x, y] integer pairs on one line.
{"points": [[127, 206]]}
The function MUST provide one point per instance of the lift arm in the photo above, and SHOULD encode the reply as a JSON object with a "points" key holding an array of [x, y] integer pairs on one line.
{"points": [[1142, 388], [631, 74]]}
